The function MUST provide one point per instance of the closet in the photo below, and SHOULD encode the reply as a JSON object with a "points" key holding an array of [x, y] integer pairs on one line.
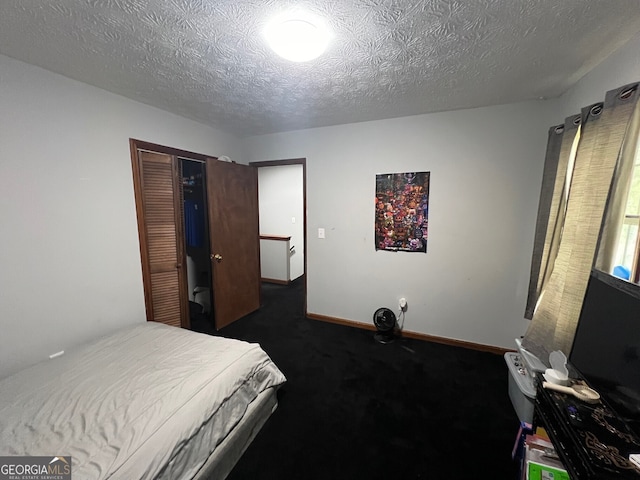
{"points": [[198, 232]]}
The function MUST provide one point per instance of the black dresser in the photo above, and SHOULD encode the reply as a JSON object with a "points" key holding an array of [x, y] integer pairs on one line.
{"points": [[592, 441]]}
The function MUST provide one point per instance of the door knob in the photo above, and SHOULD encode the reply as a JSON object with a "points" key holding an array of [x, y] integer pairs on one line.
{"points": [[217, 257]]}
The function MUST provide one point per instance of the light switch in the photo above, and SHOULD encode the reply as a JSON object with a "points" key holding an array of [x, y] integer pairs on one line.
{"points": [[293, 219], [321, 233]]}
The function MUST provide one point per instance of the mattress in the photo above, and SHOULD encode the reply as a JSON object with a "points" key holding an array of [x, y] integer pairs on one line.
{"points": [[228, 452], [130, 404]]}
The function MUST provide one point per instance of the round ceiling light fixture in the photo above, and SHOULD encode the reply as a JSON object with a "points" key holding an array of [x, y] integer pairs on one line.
{"points": [[297, 38]]}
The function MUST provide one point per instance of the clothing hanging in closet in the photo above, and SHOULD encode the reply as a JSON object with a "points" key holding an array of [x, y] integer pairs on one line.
{"points": [[193, 223]]}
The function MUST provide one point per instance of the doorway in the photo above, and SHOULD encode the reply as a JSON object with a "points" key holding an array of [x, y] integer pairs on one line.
{"points": [[283, 210]]}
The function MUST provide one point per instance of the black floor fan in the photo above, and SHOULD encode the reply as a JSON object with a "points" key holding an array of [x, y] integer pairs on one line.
{"points": [[385, 322]]}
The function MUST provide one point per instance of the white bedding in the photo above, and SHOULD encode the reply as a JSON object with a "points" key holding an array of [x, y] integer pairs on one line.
{"points": [[124, 406]]}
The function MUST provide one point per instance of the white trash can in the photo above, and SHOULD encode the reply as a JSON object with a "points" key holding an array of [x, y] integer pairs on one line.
{"points": [[522, 391]]}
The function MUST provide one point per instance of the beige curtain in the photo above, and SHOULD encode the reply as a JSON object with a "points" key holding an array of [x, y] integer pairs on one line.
{"points": [[598, 149], [552, 206]]}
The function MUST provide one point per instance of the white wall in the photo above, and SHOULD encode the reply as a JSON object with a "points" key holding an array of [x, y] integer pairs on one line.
{"points": [[281, 199], [274, 260], [70, 261], [620, 68], [486, 167]]}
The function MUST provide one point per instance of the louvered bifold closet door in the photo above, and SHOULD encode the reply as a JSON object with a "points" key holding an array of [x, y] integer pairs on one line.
{"points": [[165, 285]]}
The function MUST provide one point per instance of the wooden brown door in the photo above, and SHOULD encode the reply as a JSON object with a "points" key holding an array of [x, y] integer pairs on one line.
{"points": [[158, 205], [232, 192]]}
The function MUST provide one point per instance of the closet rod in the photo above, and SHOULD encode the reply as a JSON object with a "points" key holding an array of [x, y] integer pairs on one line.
{"points": [[191, 160]]}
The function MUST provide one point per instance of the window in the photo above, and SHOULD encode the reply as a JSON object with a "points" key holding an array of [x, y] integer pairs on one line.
{"points": [[626, 253], [618, 251]]}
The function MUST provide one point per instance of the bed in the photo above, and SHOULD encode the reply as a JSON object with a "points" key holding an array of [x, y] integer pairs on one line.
{"points": [[148, 401]]}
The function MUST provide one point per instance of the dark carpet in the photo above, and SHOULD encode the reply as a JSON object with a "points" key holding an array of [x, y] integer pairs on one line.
{"points": [[353, 408]]}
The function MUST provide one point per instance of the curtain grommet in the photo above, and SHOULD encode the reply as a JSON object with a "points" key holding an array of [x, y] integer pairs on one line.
{"points": [[628, 92]]}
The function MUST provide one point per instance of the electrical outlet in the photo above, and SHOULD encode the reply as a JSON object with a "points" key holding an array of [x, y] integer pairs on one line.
{"points": [[402, 303]]}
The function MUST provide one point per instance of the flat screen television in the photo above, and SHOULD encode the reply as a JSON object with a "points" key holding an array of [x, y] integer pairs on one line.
{"points": [[606, 346]]}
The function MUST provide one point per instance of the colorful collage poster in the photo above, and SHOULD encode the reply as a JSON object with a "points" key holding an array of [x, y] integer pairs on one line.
{"points": [[402, 207]]}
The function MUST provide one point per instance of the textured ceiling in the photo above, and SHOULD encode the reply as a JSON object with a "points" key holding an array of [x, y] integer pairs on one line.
{"points": [[206, 59]]}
